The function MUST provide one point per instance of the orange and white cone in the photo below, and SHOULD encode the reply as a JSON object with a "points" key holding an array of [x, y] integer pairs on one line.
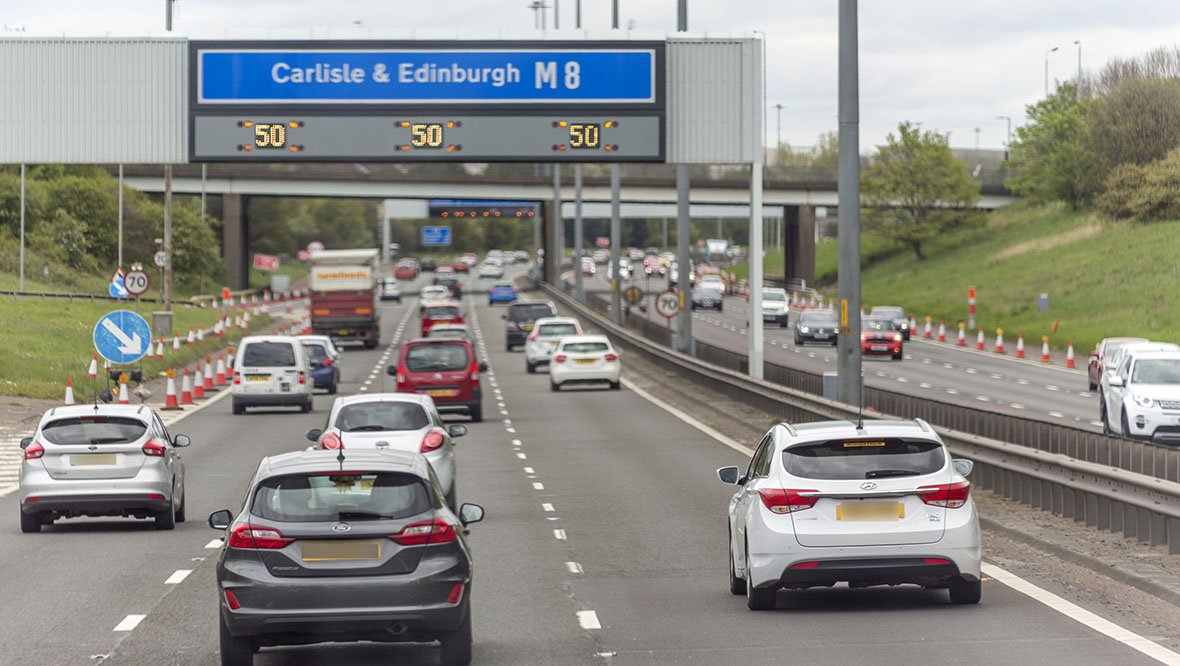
{"points": [[160, 349], [200, 333], [1045, 349], [927, 328], [1069, 356], [941, 331], [170, 402], [198, 383], [1020, 345], [913, 324], [220, 381], [999, 341], [92, 371], [124, 394], [979, 339], [69, 393], [186, 389], [209, 374], [962, 338], [175, 341], [192, 336], [217, 330]]}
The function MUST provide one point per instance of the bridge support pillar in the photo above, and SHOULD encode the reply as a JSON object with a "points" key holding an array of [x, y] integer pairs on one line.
{"points": [[236, 239], [798, 243]]}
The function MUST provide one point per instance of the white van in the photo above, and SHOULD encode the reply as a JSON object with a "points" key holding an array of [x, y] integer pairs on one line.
{"points": [[271, 370]]}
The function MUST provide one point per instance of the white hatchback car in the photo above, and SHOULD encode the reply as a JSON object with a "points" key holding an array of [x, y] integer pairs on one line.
{"points": [[395, 421], [1142, 396], [876, 503], [491, 268], [547, 333], [271, 370], [584, 359], [432, 295]]}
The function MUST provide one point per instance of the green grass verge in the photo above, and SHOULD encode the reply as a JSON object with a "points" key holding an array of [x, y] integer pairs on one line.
{"points": [[772, 264], [296, 270], [45, 341]]}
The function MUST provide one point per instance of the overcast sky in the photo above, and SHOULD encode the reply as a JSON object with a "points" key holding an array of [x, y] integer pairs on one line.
{"points": [[951, 65]]}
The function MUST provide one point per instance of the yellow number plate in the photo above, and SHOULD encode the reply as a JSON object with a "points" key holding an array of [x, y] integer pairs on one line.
{"points": [[258, 378], [585, 361], [878, 511], [79, 460], [441, 393], [328, 551]]}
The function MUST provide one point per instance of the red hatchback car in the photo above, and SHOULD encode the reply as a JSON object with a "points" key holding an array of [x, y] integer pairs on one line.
{"points": [[444, 369], [880, 336], [404, 271], [440, 313], [460, 266]]}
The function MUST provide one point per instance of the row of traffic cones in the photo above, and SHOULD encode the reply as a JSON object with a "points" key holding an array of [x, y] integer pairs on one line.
{"points": [[201, 383], [999, 341]]}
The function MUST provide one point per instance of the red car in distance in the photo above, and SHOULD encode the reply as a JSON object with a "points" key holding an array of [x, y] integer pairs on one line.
{"points": [[404, 270], [879, 336], [440, 313], [444, 369], [1102, 355]]}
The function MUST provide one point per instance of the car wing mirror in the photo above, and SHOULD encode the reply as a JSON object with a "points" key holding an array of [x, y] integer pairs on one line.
{"points": [[504, 316], [963, 466], [219, 520], [24, 443], [457, 430], [181, 440], [313, 434], [391, 371], [1116, 381], [470, 513], [729, 475], [483, 366]]}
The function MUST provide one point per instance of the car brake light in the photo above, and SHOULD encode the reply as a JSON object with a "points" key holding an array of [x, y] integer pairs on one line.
{"points": [[935, 560], [327, 362], [560, 358], [475, 372], [432, 441], [302, 377], [788, 501], [401, 378], [34, 451], [330, 441], [232, 601], [456, 594], [247, 536], [805, 565], [949, 495], [425, 533], [153, 448], [237, 377], [611, 357]]}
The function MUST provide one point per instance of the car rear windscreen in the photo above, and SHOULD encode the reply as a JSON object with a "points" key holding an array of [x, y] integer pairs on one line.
{"points": [[442, 332], [558, 329], [1156, 371], [94, 430], [379, 416], [864, 458], [773, 296], [437, 358], [530, 312], [268, 355], [324, 496], [315, 351], [442, 312], [584, 347]]}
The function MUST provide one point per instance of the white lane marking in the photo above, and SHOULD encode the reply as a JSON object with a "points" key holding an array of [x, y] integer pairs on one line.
{"points": [[507, 422], [983, 398], [538, 486], [1085, 394], [129, 622], [926, 361], [178, 576], [952, 391], [1022, 382], [1051, 387], [971, 371], [559, 534], [949, 366], [1096, 423], [516, 442], [1079, 614], [996, 375], [504, 411], [368, 382], [733, 444], [573, 567], [529, 470], [363, 389], [588, 620], [902, 380], [547, 506], [511, 430], [925, 385], [522, 456], [1016, 405], [216, 543], [1058, 415]]}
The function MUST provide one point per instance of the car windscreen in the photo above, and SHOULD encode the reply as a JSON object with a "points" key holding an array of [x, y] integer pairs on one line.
{"points": [[269, 355], [383, 415], [584, 347], [437, 358], [557, 329], [870, 324], [530, 312], [864, 458], [894, 313], [708, 290], [1156, 371], [442, 312], [817, 318], [315, 351], [773, 296], [93, 430], [324, 496]]}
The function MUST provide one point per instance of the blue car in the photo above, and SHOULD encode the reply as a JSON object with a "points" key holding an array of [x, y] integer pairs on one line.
{"points": [[501, 292], [325, 362]]}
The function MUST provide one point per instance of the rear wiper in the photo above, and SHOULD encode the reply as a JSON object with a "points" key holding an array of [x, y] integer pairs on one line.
{"points": [[367, 428], [372, 515], [107, 440], [880, 473]]}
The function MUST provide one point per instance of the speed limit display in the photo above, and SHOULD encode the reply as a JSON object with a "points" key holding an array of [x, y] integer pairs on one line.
{"points": [[136, 282]]}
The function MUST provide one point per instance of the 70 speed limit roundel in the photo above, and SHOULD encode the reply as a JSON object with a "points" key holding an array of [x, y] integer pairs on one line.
{"points": [[668, 303]]}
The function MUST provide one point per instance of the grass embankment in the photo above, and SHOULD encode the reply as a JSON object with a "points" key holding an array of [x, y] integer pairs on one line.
{"points": [[772, 265], [45, 341], [296, 270]]}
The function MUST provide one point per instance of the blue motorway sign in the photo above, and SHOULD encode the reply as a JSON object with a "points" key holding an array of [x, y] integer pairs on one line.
{"points": [[122, 336], [436, 236], [543, 73]]}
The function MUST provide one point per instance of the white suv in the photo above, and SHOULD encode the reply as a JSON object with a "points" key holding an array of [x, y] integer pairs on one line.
{"points": [[271, 370], [1141, 398], [876, 503], [775, 306], [547, 332]]}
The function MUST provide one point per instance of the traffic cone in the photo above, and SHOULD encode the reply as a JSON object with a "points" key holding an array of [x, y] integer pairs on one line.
{"points": [[200, 333], [192, 336], [209, 387], [160, 349], [927, 328], [979, 339], [186, 389], [999, 341], [175, 341], [1020, 345], [92, 371], [170, 402], [962, 339], [220, 381], [198, 383], [69, 393], [124, 394], [941, 331], [913, 324], [217, 330], [1069, 355], [1045, 349]]}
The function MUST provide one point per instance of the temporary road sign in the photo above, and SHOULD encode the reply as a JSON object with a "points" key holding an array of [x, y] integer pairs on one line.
{"points": [[668, 303], [136, 282], [160, 258], [117, 288], [633, 295], [315, 246], [122, 337], [602, 241], [266, 262]]}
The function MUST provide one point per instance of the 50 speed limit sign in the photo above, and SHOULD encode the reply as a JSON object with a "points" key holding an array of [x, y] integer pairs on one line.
{"points": [[136, 282], [668, 303]]}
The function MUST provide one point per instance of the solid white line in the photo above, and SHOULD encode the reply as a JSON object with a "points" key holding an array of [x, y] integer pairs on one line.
{"points": [[733, 444], [178, 576], [588, 620], [129, 622], [547, 506], [559, 535], [573, 567], [538, 486], [1075, 612], [1057, 415], [216, 543]]}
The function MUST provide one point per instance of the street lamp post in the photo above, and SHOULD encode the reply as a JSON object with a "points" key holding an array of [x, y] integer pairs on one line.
{"points": [[1078, 90], [1047, 70], [778, 146], [1007, 146]]}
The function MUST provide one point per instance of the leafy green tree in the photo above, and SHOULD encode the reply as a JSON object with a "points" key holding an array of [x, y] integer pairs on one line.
{"points": [[914, 190], [1044, 156]]}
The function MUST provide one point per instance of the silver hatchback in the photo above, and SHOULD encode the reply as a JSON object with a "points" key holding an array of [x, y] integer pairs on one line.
{"points": [[101, 460]]}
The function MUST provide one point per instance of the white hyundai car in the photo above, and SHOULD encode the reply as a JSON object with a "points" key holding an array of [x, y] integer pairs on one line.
{"points": [[547, 333], [584, 359], [876, 503], [1142, 396]]}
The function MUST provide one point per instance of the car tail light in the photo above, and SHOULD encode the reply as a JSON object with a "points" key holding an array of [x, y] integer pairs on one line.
{"points": [[611, 357], [805, 565], [266, 538], [432, 441], [34, 451], [425, 533], [475, 372], [456, 594], [560, 358], [949, 495], [327, 362], [401, 378], [935, 560], [533, 335], [155, 496], [302, 377], [788, 501], [232, 601], [154, 449], [330, 441], [237, 377]]}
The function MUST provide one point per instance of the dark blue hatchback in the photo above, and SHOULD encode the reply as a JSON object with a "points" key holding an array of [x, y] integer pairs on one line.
{"points": [[325, 370], [501, 292]]}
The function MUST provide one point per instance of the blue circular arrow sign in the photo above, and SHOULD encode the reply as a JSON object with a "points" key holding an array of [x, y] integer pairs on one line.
{"points": [[122, 337]]}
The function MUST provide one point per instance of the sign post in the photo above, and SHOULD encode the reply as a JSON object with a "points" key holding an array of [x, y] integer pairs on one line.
{"points": [[668, 306]]}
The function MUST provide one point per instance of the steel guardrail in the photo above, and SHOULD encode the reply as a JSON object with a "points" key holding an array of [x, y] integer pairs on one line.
{"points": [[1139, 506]]}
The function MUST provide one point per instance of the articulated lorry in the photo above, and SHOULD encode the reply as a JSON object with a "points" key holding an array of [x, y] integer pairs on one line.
{"points": [[343, 287]]}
